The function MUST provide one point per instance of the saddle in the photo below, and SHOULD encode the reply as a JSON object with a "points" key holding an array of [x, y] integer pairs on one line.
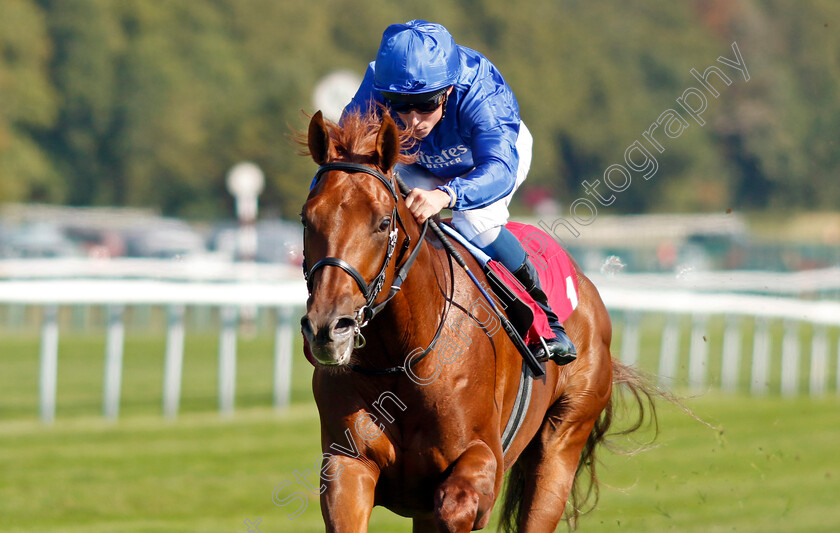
{"points": [[557, 277]]}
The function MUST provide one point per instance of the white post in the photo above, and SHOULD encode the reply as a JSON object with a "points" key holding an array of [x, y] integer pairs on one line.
{"points": [[837, 385], [630, 338], [731, 354], [699, 353], [819, 361], [114, 337], [669, 353], [790, 358], [283, 342], [245, 181], [761, 357], [227, 360], [49, 364], [174, 363]]}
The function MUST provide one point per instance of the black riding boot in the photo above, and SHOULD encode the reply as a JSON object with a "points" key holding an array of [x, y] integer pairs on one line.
{"points": [[560, 348]]}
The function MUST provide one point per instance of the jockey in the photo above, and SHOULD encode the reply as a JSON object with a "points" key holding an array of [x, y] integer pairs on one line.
{"points": [[474, 150]]}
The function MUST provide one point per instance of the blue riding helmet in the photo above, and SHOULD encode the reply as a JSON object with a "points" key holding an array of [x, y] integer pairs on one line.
{"points": [[416, 57]]}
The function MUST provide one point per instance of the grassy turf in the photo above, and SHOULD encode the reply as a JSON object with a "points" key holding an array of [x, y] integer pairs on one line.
{"points": [[774, 468]]}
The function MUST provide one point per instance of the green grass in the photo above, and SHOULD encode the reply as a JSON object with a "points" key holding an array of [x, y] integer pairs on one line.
{"points": [[774, 468]]}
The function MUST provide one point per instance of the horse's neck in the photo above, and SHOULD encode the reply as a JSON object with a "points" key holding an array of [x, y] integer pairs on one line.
{"points": [[412, 318]]}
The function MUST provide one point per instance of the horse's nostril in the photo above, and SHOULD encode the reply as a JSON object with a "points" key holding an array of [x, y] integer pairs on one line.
{"points": [[344, 325], [306, 326]]}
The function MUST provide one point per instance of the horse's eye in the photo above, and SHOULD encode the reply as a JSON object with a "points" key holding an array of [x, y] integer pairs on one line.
{"points": [[385, 224]]}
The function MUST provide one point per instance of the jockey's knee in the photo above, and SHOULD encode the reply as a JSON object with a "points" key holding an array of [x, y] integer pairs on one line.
{"points": [[501, 245]]}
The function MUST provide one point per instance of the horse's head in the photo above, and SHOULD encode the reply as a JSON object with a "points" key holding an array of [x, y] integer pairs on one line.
{"points": [[351, 225]]}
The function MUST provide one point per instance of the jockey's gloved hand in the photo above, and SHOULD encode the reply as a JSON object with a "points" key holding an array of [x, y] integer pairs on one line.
{"points": [[425, 204]]}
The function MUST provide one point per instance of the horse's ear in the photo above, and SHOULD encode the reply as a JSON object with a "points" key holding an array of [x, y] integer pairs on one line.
{"points": [[387, 143], [319, 139]]}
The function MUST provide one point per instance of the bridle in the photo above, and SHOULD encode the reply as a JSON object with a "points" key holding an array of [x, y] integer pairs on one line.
{"points": [[370, 290]]}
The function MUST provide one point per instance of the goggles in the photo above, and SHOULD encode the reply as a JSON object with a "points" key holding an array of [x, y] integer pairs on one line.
{"points": [[406, 104]]}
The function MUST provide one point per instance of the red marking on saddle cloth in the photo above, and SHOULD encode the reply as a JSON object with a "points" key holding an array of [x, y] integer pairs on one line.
{"points": [[557, 278]]}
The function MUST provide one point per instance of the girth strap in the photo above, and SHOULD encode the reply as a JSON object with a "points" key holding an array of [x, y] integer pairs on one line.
{"points": [[520, 407]]}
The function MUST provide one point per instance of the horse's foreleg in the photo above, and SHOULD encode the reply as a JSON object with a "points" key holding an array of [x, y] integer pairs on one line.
{"points": [[464, 500], [347, 502]]}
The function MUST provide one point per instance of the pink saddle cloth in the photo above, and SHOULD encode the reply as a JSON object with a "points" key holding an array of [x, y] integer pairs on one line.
{"points": [[557, 278]]}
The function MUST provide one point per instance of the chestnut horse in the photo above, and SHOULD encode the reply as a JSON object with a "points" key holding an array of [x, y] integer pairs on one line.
{"points": [[406, 423]]}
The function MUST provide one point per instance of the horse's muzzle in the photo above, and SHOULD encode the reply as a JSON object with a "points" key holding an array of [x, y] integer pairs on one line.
{"points": [[330, 339]]}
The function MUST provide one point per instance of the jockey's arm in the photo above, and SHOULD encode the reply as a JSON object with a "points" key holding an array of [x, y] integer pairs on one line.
{"points": [[494, 174], [492, 178]]}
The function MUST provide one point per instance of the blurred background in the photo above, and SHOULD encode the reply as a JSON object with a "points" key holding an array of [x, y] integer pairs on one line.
{"points": [[150, 247], [149, 104]]}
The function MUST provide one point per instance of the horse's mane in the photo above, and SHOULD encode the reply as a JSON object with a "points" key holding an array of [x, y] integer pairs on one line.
{"points": [[354, 139]]}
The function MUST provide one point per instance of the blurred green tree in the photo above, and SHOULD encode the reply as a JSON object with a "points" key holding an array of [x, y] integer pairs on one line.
{"points": [[150, 102], [28, 105]]}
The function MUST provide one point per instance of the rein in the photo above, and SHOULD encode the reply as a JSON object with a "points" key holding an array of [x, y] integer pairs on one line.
{"points": [[399, 369], [371, 290]]}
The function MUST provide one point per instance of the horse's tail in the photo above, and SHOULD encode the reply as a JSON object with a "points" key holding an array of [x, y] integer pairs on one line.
{"points": [[585, 490]]}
